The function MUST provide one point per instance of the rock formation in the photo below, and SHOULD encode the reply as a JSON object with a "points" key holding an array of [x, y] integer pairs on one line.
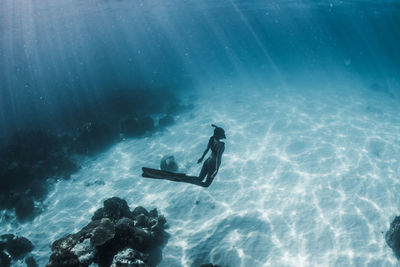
{"points": [[393, 236], [14, 248], [168, 163], [115, 237]]}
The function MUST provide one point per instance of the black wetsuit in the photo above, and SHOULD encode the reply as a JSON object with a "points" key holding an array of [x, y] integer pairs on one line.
{"points": [[210, 165]]}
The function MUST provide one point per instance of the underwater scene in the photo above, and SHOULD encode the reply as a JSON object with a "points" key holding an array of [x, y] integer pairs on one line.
{"points": [[199, 133]]}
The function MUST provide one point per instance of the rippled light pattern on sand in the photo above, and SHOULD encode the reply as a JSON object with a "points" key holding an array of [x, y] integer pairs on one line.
{"points": [[308, 179]]}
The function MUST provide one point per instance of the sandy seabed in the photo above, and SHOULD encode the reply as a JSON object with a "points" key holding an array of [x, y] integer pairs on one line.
{"points": [[308, 178]]}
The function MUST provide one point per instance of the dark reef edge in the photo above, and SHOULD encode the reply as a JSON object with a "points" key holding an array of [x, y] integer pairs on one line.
{"points": [[31, 160]]}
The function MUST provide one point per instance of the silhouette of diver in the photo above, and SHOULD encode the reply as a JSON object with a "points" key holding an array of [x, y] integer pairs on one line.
{"points": [[211, 165]]}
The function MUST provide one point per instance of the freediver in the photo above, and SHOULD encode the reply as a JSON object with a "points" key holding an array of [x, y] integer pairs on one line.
{"points": [[212, 164]]}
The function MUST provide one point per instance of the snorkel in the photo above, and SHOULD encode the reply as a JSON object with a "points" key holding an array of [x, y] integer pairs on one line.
{"points": [[219, 133]]}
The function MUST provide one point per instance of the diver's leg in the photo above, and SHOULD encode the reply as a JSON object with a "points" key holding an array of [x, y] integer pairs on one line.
{"points": [[204, 170], [208, 181], [211, 170]]}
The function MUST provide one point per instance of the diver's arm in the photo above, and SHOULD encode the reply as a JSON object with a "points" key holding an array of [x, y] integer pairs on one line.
{"points": [[205, 152]]}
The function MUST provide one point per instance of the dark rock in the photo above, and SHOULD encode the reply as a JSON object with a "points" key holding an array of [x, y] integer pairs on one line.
{"points": [[132, 235], [141, 221], [124, 226], [105, 253], [140, 210], [117, 207], [66, 167], [392, 236], [130, 127], [65, 243], [30, 262], [129, 258], [31, 160], [26, 162], [142, 239], [30, 146], [134, 127], [18, 247], [146, 123], [7, 237], [102, 233], [127, 235], [76, 247], [107, 237], [166, 121], [138, 102], [93, 137], [153, 213], [157, 225], [114, 209], [209, 265], [63, 258], [5, 260], [84, 251], [88, 229], [168, 163]]}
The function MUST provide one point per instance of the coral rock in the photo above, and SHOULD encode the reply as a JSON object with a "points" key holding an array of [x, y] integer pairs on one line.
{"points": [[168, 163], [129, 258], [115, 236], [114, 209], [393, 236], [18, 247], [102, 233]]}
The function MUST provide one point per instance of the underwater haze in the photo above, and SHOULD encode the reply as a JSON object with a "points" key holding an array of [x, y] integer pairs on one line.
{"points": [[308, 93], [57, 56]]}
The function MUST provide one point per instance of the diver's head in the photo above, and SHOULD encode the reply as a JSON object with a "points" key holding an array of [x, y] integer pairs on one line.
{"points": [[219, 133]]}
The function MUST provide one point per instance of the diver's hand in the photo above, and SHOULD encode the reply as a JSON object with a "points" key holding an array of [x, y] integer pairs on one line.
{"points": [[200, 160]]}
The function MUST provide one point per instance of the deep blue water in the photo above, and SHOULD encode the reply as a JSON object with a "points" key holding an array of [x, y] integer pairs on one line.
{"points": [[56, 56]]}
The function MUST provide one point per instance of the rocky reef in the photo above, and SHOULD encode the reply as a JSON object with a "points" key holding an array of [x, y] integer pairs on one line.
{"points": [[33, 159], [14, 248], [392, 236], [27, 163], [115, 236]]}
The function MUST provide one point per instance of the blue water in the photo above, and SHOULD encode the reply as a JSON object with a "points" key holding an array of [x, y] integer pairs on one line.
{"points": [[308, 93]]}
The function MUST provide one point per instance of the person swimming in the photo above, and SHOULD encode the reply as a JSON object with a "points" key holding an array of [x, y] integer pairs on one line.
{"points": [[211, 165]]}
